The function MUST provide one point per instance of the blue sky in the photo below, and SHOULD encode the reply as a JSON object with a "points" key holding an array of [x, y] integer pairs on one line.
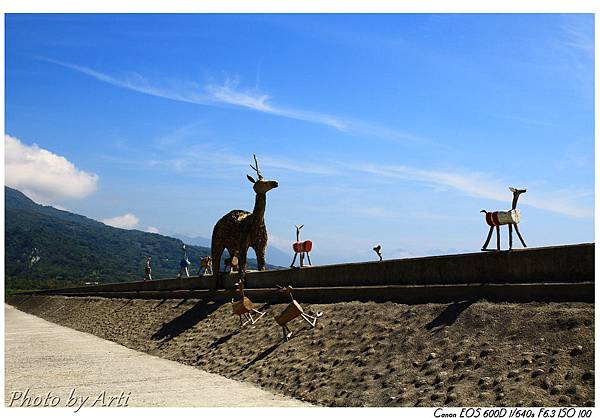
{"points": [[393, 129]]}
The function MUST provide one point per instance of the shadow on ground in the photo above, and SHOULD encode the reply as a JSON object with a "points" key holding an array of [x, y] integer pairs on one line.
{"points": [[449, 315], [185, 321]]}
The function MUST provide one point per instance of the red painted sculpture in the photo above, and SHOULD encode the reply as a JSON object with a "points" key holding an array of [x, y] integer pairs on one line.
{"points": [[302, 248]]}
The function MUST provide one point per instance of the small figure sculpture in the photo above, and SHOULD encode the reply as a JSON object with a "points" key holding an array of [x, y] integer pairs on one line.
{"points": [[301, 248], [292, 311], [377, 250], [232, 263], [510, 218], [183, 264], [148, 269], [205, 265], [238, 230], [244, 307]]}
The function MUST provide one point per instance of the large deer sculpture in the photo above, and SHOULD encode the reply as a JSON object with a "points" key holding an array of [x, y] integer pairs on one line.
{"points": [[239, 229], [510, 218]]}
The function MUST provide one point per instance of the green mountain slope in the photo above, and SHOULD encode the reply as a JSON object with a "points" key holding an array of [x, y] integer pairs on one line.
{"points": [[46, 248]]}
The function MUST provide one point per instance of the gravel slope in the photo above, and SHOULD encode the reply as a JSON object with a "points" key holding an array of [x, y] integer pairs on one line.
{"points": [[363, 354]]}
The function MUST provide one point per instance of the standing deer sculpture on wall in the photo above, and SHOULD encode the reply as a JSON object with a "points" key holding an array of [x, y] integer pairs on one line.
{"points": [[377, 250], [205, 265], [510, 218], [301, 247], [239, 229]]}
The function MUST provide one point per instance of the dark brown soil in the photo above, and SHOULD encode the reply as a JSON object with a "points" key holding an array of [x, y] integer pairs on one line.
{"points": [[363, 354]]}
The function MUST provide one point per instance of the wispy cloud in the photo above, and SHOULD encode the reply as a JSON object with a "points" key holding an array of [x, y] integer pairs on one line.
{"points": [[475, 184], [578, 33], [481, 185], [227, 93]]}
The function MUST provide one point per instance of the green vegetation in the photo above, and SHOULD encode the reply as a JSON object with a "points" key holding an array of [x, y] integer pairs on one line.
{"points": [[49, 248]]}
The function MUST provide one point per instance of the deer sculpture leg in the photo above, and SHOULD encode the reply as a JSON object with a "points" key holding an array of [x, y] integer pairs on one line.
{"points": [[487, 240], [510, 236], [294, 260], [312, 320], [308, 256], [286, 332], [216, 259], [519, 235], [260, 256], [242, 263], [498, 237]]}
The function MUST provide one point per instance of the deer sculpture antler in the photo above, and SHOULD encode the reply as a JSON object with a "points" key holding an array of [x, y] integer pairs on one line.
{"points": [[258, 173]]}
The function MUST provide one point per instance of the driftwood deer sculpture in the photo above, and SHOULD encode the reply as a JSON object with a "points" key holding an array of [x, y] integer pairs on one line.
{"points": [[232, 264], [301, 247], [377, 250], [244, 307], [292, 311], [510, 218], [239, 229], [205, 266]]}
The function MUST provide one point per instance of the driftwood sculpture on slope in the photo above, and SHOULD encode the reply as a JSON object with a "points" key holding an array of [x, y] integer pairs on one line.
{"points": [[292, 311], [510, 218], [244, 307], [240, 229]]}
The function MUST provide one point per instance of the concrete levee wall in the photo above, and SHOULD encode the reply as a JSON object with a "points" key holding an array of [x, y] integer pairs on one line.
{"points": [[571, 263], [566, 264]]}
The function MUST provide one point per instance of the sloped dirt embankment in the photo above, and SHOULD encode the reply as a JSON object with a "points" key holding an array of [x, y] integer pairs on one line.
{"points": [[363, 354]]}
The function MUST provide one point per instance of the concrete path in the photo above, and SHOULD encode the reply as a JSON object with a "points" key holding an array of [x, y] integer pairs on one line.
{"points": [[50, 359]]}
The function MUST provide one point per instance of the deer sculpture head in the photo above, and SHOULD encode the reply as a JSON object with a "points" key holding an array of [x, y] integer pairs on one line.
{"points": [[298, 228], [261, 186], [516, 193]]}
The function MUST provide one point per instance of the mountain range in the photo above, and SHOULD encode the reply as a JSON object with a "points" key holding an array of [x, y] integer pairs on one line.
{"points": [[47, 248]]}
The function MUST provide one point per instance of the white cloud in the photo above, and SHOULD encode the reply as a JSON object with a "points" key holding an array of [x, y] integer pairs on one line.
{"points": [[280, 243], [210, 95], [127, 221], [153, 229], [44, 176], [485, 186]]}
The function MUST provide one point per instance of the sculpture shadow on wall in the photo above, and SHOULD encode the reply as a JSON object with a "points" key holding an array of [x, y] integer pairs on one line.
{"points": [[185, 321], [449, 315]]}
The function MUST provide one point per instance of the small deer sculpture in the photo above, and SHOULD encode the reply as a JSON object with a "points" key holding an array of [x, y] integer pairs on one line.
{"points": [[510, 218], [232, 264], [244, 307], [239, 229], [377, 250], [301, 247], [205, 265], [292, 311]]}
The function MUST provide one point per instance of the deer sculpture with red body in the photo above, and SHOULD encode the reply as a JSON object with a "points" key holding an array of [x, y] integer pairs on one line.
{"points": [[510, 218], [301, 247]]}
